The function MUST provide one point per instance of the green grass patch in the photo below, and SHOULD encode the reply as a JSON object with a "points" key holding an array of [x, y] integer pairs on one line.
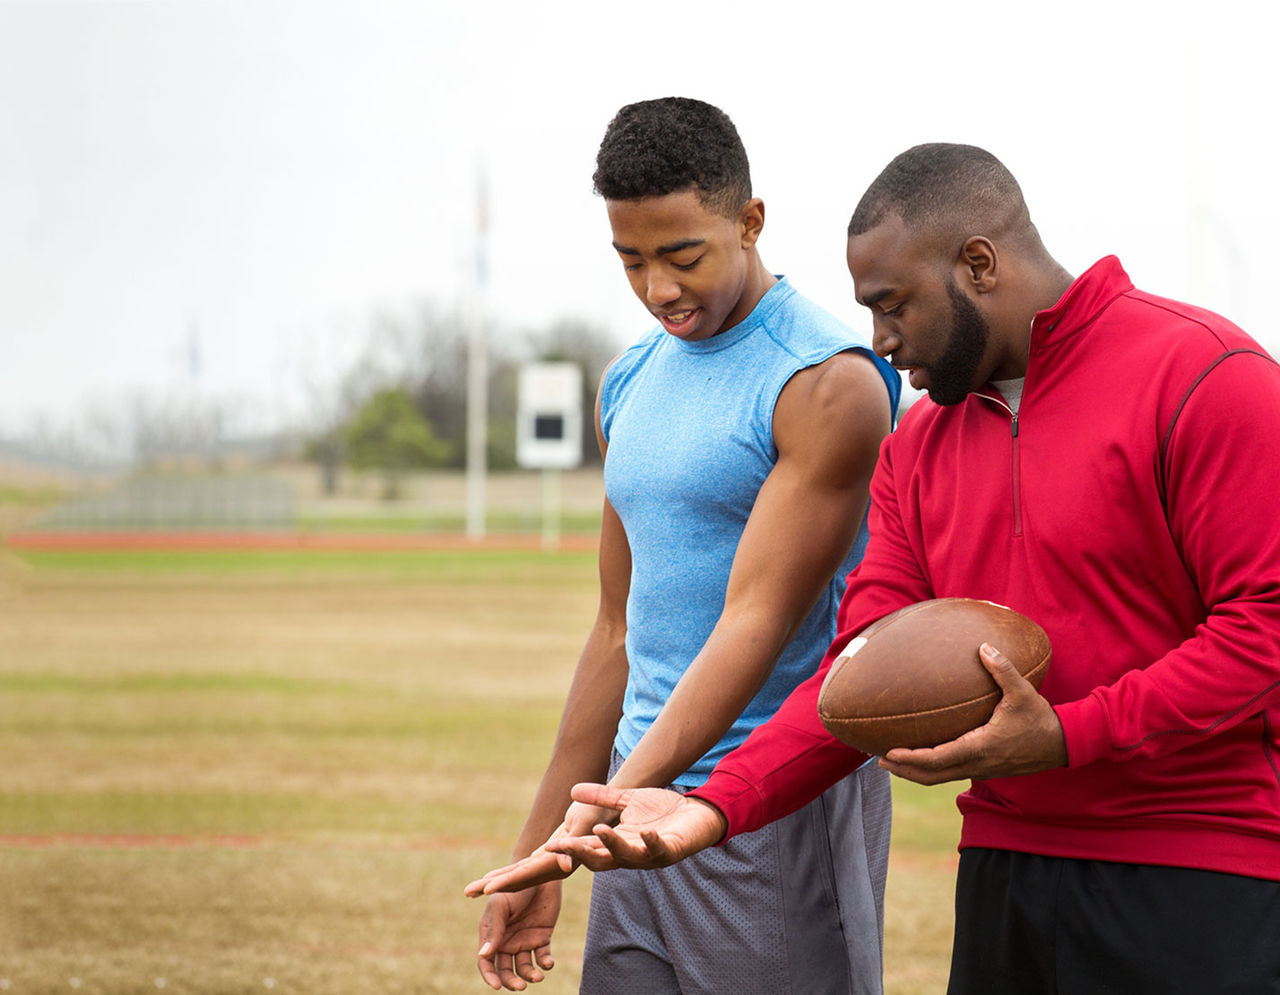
{"points": [[341, 915], [30, 497], [159, 683], [291, 565], [369, 715], [925, 819], [267, 813], [378, 722]]}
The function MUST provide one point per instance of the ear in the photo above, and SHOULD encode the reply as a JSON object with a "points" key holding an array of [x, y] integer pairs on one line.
{"points": [[751, 221], [980, 263]]}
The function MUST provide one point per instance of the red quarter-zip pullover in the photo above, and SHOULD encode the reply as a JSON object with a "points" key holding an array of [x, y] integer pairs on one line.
{"points": [[1133, 510]]}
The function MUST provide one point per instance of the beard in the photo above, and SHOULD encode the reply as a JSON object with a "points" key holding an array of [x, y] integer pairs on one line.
{"points": [[951, 377]]}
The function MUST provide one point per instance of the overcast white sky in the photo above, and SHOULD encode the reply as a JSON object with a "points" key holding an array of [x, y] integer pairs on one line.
{"points": [[260, 176]]}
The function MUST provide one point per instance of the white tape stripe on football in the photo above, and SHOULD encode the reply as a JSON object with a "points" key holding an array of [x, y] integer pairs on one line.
{"points": [[855, 644]]}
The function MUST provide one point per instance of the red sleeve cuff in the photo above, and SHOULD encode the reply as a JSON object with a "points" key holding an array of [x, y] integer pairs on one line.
{"points": [[1085, 729], [735, 797]]}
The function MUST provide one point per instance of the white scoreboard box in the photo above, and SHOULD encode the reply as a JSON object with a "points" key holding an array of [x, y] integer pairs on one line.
{"points": [[549, 416]]}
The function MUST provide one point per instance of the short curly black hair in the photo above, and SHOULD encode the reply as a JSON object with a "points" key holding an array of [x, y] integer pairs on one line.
{"points": [[656, 147]]}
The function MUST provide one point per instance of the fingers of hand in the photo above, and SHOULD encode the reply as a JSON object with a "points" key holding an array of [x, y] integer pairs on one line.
{"points": [[628, 852], [487, 962], [477, 887], [489, 973], [586, 851], [1001, 668], [911, 772], [519, 880], [526, 868], [539, 868], [508, 974], [656, 846], [526, 968], [600, 795], [935, 765], [491, 929], [931, 758]]}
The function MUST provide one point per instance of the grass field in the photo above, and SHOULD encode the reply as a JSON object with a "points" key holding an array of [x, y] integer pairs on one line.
{"points": [[273, 772]]}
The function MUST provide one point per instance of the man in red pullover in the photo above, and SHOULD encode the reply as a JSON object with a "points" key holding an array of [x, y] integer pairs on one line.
{"points": [[1106, 462]]}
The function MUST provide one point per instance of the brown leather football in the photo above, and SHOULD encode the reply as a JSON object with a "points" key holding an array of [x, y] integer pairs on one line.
{"points": [[914, 678]]}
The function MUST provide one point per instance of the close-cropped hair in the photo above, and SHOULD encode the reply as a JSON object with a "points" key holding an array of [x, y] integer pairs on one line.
{"points": [[656, 147], [939, 186]]}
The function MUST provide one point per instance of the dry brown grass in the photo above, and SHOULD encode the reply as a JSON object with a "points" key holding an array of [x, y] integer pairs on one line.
{"points": [[226, 778]]}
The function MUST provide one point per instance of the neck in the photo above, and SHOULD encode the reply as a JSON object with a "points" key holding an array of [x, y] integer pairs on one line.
{"points": [[755, 286], [1056, 283], [759, 280], [1046, 283]]}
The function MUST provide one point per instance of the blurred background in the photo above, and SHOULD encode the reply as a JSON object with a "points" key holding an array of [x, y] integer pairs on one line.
{"points": [[277, 673], [225, 226]]}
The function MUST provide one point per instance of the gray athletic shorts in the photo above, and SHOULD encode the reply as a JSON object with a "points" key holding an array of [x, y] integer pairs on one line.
{"points": [[797, 906]]}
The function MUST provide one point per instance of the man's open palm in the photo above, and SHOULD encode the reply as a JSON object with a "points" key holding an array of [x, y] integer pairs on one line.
{"points": [[655, 828]]}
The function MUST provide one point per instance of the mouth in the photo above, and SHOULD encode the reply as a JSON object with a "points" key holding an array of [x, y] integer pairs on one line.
{"points": [[677, 322], [916, 375]]}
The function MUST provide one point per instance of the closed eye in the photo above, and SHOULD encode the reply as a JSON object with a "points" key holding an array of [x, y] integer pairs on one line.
{"points": [[685, 267]]}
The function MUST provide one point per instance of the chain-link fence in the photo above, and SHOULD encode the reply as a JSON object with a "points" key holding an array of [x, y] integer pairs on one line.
{"points": [[179, 502]]}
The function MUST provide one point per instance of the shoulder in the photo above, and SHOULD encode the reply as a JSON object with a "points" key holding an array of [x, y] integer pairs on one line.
{"points": [[1184, 350], [848, 378], [844, 398], [623, 367], [635, 354], [807, 330], [1164, 323], [813, 337]]}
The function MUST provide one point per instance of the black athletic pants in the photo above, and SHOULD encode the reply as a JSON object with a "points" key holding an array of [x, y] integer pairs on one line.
{"points": [[1029, 925]]}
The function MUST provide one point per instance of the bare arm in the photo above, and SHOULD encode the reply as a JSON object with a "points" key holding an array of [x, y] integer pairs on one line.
{"points": [[828, 425], [594, 704]]}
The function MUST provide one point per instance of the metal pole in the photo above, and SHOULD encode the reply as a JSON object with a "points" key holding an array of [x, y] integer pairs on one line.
{"points": [[478, 372], [551, 509]]}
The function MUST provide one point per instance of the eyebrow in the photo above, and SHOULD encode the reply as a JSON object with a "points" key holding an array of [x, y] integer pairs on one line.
{"points": [[871, 300], [664, 250]]}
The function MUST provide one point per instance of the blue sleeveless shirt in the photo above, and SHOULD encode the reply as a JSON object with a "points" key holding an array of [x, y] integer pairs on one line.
{"points": [[689, 426]]}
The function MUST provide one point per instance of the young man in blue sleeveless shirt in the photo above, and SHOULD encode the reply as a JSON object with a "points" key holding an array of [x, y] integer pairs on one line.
{"points": [[739, 440]]}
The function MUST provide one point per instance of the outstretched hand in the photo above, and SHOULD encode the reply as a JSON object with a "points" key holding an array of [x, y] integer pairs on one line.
{"points": [[656, 828], [538, 868], [1023, 736], [515, 937], [542, 865]]}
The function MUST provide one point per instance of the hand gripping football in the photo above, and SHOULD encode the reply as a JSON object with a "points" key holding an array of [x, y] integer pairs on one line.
{"points": [[914, 678]]}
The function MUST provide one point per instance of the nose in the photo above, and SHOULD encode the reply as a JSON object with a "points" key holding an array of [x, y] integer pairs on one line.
{"points": [[661, 288], [884, 343]]}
